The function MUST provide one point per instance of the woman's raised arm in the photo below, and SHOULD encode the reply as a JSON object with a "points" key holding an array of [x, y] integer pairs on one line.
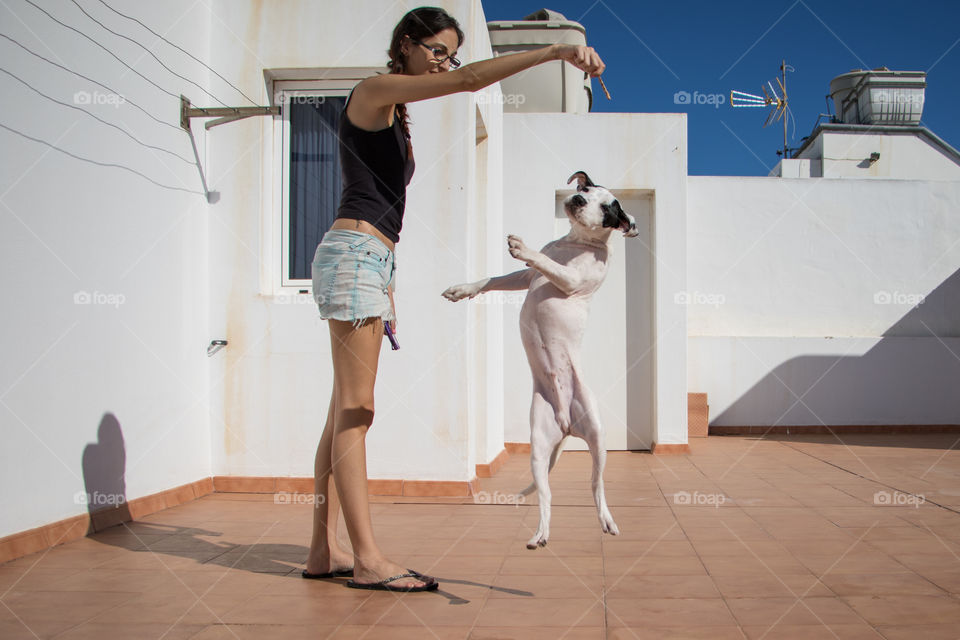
{"points": [[398, 88]]}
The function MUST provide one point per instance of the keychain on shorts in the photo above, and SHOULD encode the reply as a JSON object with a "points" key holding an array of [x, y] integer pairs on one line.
{"points": [[393, 341]]}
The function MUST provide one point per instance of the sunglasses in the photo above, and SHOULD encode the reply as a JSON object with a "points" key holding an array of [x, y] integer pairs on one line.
{"points": [[438, 54]]}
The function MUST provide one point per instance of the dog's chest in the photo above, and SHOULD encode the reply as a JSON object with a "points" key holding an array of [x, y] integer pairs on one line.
{"points": [[588, 261]]}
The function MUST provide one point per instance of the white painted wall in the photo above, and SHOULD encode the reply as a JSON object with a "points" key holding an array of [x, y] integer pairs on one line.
{"points": [[68, 226], [641, 158], [276, 374], [815, 282]]}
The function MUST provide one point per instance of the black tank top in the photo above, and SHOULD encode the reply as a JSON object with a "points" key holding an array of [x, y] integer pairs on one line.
{"points": [[376, 167]]}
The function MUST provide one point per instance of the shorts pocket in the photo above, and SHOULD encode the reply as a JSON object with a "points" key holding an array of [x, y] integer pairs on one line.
{"points": [[324, 278], [328, 253]]}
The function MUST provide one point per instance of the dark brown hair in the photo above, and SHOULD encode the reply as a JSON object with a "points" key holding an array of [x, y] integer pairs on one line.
{"points": [[419, 23]]}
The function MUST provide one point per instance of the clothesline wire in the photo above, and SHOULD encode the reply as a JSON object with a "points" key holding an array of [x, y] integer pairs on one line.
{"points": [[151, 53], [96, 117], [117, 58], [212, 70], [88, 79]]}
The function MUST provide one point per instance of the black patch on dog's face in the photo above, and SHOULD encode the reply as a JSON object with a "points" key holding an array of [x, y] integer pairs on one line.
{"points": [[613, 215]]}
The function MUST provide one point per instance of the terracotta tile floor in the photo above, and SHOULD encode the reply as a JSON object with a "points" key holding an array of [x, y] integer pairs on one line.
{"points": [[786, 537]]}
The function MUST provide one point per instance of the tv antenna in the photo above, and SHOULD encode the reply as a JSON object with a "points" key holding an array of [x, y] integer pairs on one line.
{"points": [[771, 99]]}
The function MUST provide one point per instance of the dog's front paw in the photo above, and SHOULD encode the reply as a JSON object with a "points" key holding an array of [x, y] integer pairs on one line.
{"points": [[460, 291], [518, 249]]}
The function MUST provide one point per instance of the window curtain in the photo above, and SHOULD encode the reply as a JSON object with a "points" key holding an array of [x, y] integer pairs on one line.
{"points": [[314, 176]]}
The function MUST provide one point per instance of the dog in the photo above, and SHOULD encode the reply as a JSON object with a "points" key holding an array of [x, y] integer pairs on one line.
{"points": [[560, 279]]}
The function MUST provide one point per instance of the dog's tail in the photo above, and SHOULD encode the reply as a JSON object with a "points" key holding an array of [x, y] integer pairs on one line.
{"points": [[553, 460]]}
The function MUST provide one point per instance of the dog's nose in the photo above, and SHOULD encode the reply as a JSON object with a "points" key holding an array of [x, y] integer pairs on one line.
{"points": [[578, 200]]}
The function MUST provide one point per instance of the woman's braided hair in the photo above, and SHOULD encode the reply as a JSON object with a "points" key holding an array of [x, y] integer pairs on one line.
{"points": [[419, 23]]}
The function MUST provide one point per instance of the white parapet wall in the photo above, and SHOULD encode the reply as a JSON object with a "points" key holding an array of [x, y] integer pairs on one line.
{"points": [[824, 301], [883, 153]]}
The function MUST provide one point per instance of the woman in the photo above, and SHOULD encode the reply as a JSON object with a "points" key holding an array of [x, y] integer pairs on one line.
{"points": [[354, 264]]}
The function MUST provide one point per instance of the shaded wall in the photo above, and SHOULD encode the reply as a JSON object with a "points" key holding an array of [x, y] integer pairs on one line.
{"points": [[823, 301]]}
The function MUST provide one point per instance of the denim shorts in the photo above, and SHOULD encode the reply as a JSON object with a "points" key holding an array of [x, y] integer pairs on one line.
{"points": [[351, 273]]}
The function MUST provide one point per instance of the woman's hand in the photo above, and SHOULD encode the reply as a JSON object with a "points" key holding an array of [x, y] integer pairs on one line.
{"points": [[582, 57]]}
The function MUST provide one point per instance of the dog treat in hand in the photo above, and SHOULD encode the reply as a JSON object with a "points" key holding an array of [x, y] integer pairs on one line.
{"points": [[604, 87]]}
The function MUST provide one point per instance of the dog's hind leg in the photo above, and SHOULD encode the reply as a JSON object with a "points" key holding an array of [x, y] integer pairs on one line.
{"points": [[587, 426], [557, 450], [545, 436]]}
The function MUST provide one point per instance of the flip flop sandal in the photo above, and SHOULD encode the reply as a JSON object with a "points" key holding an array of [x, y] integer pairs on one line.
{"points": [[339, 573], [431, 583]]}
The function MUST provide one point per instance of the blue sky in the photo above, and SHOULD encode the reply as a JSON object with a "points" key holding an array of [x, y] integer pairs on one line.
{"points": [[655, 49]]}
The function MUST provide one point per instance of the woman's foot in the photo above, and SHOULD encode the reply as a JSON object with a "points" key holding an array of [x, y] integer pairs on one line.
{"points": [[370, 572], [337, 560]]}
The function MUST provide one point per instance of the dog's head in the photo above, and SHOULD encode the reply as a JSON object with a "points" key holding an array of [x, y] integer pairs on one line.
{"points": [[596, 209]]}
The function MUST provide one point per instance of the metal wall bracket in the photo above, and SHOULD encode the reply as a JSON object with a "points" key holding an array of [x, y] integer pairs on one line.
{"points": [[215, 345], [223, 114]]}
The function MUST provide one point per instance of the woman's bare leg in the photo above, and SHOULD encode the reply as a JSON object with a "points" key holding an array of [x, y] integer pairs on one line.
{"points": [[325, 552], [356, 353]]}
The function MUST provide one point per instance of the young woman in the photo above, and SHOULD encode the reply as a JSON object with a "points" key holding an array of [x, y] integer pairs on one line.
{"points": [[354, 264]]}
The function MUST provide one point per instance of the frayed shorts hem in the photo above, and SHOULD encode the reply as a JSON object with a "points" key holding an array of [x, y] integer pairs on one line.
{"points": [[358, 322]]}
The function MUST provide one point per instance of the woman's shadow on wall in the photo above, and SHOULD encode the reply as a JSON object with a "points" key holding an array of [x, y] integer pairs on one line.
{"points": [[112, 517]]}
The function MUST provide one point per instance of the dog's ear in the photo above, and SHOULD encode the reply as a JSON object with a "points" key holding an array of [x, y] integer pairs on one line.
{"points": [[583, 180]]}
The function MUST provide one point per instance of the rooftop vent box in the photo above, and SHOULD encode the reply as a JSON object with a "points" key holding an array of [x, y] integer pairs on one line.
{"points": [[879, 96], [553, 87]]}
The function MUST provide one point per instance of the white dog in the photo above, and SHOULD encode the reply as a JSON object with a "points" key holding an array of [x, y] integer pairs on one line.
{"points": [[561, 278]]}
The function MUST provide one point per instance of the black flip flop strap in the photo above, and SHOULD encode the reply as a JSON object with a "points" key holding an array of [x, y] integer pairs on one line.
{"points": [[402, 575]]}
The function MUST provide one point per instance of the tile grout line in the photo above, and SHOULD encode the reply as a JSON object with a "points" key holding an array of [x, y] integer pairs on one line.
{"points": [[694, 547], [814, 574], [910, 493]]}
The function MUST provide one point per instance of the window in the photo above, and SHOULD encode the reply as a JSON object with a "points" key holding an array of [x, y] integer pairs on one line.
{"points": [[310, 175]]}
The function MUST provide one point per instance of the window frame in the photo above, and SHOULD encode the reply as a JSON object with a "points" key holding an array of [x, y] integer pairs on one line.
{"points": [[284, 94]]}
